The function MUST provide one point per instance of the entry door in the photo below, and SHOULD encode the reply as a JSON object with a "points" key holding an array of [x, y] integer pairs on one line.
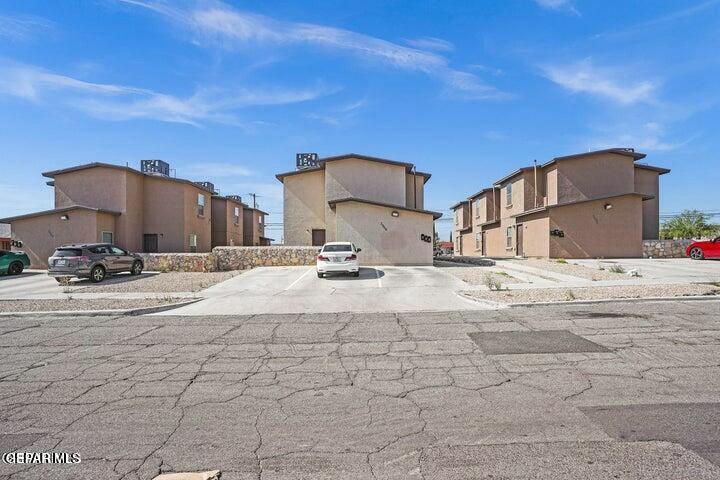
{"points": [[519, 240], [483, 248], [318, 238], [150, 243]]}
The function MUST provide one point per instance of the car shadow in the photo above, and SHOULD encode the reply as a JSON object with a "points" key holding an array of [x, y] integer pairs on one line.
{"points": [[365, 272], [114, 279], [23, 274]]}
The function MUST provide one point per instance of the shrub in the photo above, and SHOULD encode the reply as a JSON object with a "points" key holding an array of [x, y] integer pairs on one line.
{"points": [[617, 269], [570, 295], [561, 260], [492, 282]]}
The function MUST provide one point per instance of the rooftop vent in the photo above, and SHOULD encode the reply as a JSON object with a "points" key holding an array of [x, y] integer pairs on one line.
{"points": [[237, 198], [207, 185], [306, 160], [155, 167]]}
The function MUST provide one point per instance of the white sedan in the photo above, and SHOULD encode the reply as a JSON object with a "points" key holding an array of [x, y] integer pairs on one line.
{"points": [[338, 257]]}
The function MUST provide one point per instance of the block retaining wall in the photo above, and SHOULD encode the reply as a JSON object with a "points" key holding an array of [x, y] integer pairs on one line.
{"points": [[665, 248], [230, 258]]}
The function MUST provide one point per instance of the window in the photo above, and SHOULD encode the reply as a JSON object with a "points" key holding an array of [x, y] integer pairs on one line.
{"points": [[478, 241], [457, 217], [100, 250], [107, 237], [260, 220], [508, 195], [509, 237], [337, 248], [118, 251], [236, 215], [477, 208], [192, 242], [201, 205]]}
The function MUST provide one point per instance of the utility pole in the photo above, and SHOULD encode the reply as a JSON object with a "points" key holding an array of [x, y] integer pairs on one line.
{"points": [[254, 197]]}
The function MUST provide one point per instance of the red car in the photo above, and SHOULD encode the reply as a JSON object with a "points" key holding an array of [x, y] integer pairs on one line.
{"points": [[704, 249]]}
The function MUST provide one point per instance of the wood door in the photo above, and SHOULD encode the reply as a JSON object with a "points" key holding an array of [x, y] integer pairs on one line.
{"points": [[519, 240], [318, 238]]}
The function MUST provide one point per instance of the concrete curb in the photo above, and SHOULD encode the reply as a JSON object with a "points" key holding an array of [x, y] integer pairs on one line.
{"points": [[102, 313], [596, 301]]}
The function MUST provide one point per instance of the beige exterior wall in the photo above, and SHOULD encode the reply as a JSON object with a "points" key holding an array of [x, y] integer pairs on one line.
{"points": [[468, 244], [42, 234], [648, 182], [304, 207], [592, 231], [365, 179], [384, 239], [495, 242], [598, 176], [166, 218], [416, 184], [253, 228], [551, 185], [518, 197], [225, 231], [536, 234]]}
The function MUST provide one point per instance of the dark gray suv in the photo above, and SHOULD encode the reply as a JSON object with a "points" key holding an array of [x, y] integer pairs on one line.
{"points": [[92, 260]]}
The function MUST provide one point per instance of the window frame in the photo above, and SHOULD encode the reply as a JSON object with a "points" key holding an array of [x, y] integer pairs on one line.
{"points": [[509, 235], [508, 195], [102, 237], [201, 205], [478, 241], [192, 238], [236, 215]]}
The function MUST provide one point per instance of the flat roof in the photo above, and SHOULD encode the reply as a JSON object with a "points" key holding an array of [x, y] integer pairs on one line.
{"points": [[454, 207], [322, 161], [484, 190], [660, 170], [644, 196], [57, 210], [229, 199], [435, 215], [52, 173]]}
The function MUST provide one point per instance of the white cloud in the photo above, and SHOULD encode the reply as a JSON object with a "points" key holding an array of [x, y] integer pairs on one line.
{"points": [[216, 170], [22, 27], [219, 24], [584, 77], [565, 5], [431, 43], [648, 137], [119, 102]]}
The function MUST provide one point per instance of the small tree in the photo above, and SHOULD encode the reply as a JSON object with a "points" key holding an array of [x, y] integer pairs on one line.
{"points": [[689, 224]]}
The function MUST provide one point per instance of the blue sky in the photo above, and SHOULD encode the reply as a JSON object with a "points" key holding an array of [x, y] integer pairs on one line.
{"points": [[229, 92]]}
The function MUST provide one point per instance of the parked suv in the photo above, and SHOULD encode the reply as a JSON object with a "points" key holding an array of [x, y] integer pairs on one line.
{"points": [[92, 260]]}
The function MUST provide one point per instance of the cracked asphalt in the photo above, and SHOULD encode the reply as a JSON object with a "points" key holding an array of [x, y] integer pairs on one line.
{"points": [[367, 396]]}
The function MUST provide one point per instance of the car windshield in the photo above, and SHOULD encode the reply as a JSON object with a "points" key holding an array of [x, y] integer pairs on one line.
{"points": [[337, 248], [67, 252]]}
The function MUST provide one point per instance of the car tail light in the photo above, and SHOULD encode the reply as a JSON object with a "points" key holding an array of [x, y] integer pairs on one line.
{"points": [[351, 257], [323, 258]]}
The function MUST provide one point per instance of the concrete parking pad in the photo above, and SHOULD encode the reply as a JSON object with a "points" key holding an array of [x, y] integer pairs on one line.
{"points": [[362, 395], [298, 290], [547, 341]]}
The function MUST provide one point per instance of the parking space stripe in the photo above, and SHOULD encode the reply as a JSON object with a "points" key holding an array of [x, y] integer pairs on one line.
{"points": [[377, 275], [298, 279]]}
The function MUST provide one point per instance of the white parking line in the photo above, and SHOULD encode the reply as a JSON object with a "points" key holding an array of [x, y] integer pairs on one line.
{"points": [[298, 279], [377, 274]]}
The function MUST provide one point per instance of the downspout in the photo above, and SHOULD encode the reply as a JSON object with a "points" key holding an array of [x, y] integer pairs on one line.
{"points": [[414, 169], [536, 185]]}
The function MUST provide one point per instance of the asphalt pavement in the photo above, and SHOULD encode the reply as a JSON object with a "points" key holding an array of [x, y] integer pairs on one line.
{"points": [[404, 395]]}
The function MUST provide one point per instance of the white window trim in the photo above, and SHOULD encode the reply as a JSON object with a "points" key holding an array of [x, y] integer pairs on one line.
{"points": [[509, 237], [102, 236], [508, 195]]}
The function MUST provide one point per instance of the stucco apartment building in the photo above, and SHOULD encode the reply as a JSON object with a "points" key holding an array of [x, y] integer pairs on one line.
{"points": [[587, 205], [377, 204], [141, 210]]}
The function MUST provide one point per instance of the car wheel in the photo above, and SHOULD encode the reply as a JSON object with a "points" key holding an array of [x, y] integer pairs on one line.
{"points": [[15, 268], [356, 274], [697, 254], [136, 268], [320, 275], [97, 274]]}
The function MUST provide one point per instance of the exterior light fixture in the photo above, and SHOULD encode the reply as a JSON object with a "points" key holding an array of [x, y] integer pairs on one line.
{"points": [[607, 206], [395, 213], [64, 217]]}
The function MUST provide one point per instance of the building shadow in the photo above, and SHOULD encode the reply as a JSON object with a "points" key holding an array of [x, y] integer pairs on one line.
{"points": [[22, 275], [114, 279], [365, 272]]}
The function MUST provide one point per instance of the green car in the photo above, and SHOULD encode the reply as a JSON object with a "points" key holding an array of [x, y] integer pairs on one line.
{"points": [[13, 263]]}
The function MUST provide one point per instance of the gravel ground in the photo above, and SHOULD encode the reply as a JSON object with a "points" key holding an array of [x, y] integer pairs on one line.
{"points": [[593, 293], [79, 305], [572, 269], [156, 282], [475, 275]]}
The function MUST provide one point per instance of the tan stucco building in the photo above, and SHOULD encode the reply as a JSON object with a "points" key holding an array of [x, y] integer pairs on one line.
{"points": [[376, 203], [138, 210], [588, 205]]}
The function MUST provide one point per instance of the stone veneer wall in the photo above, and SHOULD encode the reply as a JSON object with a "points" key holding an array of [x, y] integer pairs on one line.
{"points": [[242, 258], [665, 248], [230, 258], [483, 262]]}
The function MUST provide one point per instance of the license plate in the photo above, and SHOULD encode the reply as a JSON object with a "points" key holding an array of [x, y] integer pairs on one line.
{"points": [[335, 259], [59, 263]]}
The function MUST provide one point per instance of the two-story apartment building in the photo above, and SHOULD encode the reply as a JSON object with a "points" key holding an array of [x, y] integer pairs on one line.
{"points": [[588, 205], [376, 203], [254, 228], [142, 210]]}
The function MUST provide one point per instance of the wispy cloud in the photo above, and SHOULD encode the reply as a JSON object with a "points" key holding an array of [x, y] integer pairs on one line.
{"points": [[22, 27], [561, 5], [671, 17], [216, 170], [604, 82], [339, 115], [215, 23], [120, 102], [431, 43], [650, 137]]}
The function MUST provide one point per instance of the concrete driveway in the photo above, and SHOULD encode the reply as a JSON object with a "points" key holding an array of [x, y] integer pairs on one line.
{"points": [[28, 284], [670, 270], [299, 290]]}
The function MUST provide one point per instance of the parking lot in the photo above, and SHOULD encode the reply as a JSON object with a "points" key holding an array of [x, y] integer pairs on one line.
{"points": [[626, 391], [299, 290]]}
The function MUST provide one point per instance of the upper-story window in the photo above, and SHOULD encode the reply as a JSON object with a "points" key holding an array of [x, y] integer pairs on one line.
{"points": [[477, 208], [236, 215], [260, 220], [508, 194], [457, 217], [201, 204]]}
